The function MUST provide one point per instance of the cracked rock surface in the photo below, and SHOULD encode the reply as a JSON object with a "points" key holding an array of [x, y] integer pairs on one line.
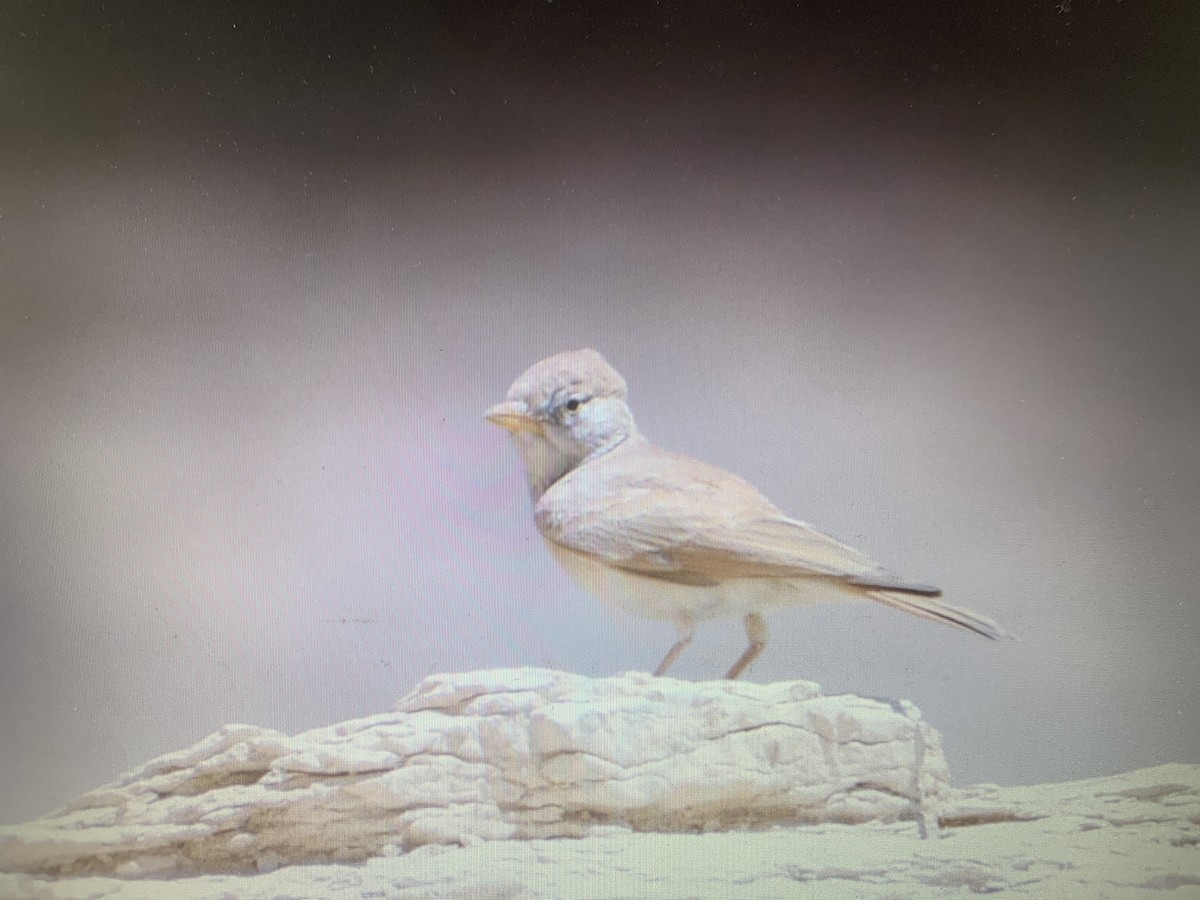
{"points": [[667, 789], [498, 755]]}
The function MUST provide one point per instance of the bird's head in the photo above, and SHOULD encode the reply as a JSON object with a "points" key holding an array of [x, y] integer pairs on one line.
{"points": [[562, 410]]}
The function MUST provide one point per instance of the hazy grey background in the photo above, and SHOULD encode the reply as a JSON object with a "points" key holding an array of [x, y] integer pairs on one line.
{"points": [[931, 283]]}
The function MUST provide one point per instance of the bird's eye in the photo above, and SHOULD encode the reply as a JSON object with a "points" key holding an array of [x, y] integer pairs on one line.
{"points": [[573, 404]]}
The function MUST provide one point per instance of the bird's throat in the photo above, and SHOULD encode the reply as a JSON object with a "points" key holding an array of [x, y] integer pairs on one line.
{"points": [[544, 463]]}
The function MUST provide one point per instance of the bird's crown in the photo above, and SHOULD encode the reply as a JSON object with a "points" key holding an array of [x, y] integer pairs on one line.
{"points": [[582, 370]]}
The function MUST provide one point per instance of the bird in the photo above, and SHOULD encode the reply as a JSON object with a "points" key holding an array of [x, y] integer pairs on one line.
{"points": [[665, 536]]}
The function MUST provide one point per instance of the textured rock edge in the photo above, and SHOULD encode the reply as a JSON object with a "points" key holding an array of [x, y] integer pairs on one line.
{"points": [[501, 755]]}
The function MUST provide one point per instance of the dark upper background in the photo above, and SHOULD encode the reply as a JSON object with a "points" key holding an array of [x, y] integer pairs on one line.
{"points": [[927, 275]]}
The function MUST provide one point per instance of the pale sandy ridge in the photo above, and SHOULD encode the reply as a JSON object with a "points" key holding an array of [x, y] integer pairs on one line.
{"points": [[533, 783]]}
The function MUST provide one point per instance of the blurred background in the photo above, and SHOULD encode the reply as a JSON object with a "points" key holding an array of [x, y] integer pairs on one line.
{"points": [[929, 277]]}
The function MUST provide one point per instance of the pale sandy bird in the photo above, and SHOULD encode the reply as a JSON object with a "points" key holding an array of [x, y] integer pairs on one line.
{"points": [[669, 537]]}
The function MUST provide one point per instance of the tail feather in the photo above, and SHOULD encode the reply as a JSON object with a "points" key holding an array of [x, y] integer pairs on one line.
{"points": [[929, 607], [886, 581]]}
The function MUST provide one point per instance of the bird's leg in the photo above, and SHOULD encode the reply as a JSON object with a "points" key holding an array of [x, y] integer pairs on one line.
{"points": [[685, 629], [756, 630]]}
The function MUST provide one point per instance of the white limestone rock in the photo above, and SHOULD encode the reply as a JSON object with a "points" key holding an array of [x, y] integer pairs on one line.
{"points": [[501, 755], [1125, 837]]}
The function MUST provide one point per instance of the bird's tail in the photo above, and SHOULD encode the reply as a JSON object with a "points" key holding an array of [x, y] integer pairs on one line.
{"points": [[920, 603]]}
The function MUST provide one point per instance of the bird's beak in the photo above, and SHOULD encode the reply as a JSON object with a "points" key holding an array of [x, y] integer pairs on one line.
{"points": [[513, 416]]}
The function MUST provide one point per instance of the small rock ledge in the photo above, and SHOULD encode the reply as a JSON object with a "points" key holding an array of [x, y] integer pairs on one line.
{"points": [[512, 754]]}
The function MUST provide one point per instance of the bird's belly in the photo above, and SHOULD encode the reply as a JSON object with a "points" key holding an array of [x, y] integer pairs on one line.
{"points": [[656, 598]]}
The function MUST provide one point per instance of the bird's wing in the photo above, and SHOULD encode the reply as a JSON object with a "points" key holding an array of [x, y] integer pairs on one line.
{"points": [[668, 516]]}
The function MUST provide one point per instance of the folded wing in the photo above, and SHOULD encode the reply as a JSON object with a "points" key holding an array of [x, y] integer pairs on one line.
{"points": [[668, 516]]}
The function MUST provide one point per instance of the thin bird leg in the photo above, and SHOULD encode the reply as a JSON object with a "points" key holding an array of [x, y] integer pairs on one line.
{"points": [[756, 630], [685, 629]]}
